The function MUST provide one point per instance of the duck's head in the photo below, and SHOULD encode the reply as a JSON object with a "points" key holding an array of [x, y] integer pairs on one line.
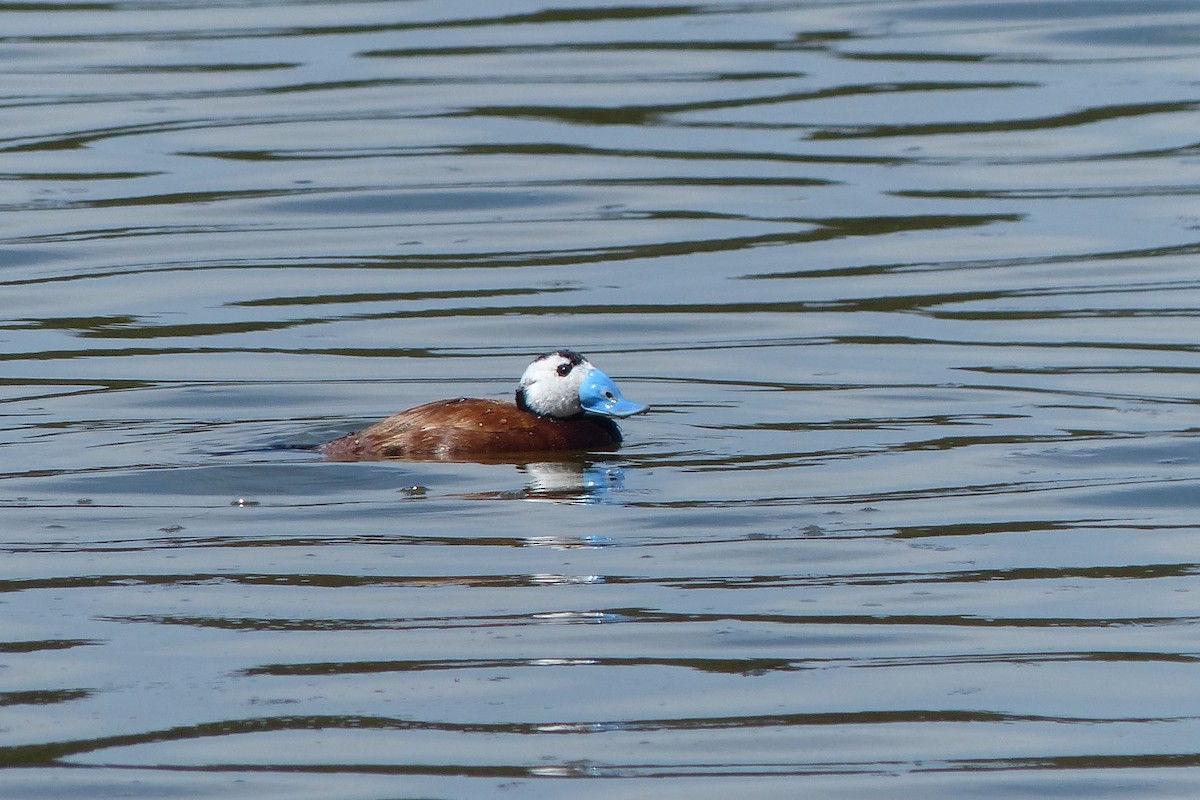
{"points": [[564, 384]]}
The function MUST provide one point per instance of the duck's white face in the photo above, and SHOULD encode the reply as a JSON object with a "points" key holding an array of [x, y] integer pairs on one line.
{"points": [[550, 385], [565, 384]]}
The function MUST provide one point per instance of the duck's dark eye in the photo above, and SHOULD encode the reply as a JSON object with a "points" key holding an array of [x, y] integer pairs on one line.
{"points": [[564, 370]]}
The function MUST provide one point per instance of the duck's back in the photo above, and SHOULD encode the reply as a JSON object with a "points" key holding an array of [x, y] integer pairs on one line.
{"points": [[469, 429]]}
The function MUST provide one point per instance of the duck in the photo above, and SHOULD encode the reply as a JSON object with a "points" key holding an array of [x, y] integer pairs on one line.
{"points": [[562, 403]]}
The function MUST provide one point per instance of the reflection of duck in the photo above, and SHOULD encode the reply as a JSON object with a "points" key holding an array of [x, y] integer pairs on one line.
{"points": [[562, 403], [569, 480], [580, 480]]}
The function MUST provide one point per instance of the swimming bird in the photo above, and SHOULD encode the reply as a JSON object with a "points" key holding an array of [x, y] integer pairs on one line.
{"points": [[562, 403]]}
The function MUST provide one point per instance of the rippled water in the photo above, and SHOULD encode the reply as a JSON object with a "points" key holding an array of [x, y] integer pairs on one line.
{"points": [[911, 286]]}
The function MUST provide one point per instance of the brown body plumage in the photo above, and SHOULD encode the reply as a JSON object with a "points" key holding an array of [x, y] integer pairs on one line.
{"points": [[470, 429]]}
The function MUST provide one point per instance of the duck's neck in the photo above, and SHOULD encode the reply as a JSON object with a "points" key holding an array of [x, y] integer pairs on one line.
{"points": [[523, 404]]}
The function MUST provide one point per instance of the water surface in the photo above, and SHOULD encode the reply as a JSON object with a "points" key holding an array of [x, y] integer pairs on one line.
{"points": [[911, 287]]}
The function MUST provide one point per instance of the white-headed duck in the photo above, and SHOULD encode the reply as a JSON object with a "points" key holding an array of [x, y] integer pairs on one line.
{"points": [[562, 403]]}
